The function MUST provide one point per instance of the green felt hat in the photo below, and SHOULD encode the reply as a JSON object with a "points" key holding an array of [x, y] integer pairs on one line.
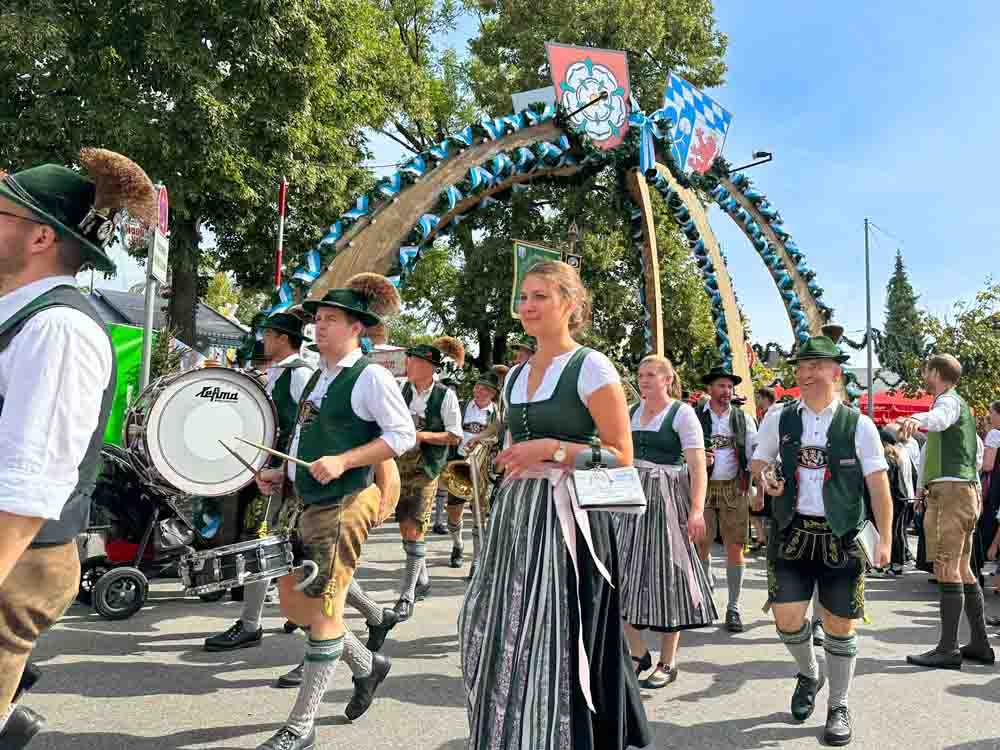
{"points": [[426, 352], [88, 211], [285, 323], [490, 380], [526, 342], [354, 302], [718, 372], [820, 347]]}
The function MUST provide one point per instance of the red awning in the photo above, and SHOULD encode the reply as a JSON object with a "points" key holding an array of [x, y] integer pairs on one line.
{"points": [[892, 406]]}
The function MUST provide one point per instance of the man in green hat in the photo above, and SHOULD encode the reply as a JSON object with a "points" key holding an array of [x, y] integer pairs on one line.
{"points": [[477, 414], [286, 378], [949, 476], [524, 347], [351, 419], [729, 442], [829, 452], [435, 412], [57, 383]]}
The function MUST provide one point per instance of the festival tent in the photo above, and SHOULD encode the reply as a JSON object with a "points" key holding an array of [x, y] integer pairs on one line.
{"points": [[891, 406]]}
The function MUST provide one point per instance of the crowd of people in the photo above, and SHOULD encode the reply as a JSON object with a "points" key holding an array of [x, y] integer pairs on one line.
{"points": [[550, 627]]}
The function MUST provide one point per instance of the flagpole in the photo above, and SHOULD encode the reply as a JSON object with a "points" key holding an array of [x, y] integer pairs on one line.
{"points": [[282, 201]]}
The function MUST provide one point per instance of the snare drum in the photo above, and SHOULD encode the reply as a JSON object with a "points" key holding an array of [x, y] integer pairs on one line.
{"points": [[236, 564], [173, 429]]}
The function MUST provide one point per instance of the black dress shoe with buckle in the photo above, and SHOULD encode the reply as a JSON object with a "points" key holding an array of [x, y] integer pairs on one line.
{"points": [[456, 557], [293, 678], [378, 633], [236, 637], [403, 610], [734, 623], [21, 726], [838, 727], [422, 591], [935, 659], [804, 697], [286, 739], [364, 687]]}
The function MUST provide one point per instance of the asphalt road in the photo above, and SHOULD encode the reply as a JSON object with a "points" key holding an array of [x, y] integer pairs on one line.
{"points": [[146, 684]]}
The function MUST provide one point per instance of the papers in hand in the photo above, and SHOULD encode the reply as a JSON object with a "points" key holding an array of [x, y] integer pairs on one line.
{"points": [[868, 539], [614, 490]]}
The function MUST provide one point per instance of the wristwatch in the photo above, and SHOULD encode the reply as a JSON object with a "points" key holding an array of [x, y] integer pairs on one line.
{"points": [[560, 455]]}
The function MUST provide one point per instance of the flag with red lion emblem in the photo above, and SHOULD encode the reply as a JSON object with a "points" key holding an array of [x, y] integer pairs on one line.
{"points": [[699, 125], [580, 75]]}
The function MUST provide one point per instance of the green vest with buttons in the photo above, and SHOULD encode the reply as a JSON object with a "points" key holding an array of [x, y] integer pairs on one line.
{"points": [[662, 446], [952, 453], [844, 487], [434, 457], [737, 425], [562, 416], [333, 430]]}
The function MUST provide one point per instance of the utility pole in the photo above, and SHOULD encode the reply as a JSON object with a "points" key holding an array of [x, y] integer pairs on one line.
{"points": [[868, 322]]}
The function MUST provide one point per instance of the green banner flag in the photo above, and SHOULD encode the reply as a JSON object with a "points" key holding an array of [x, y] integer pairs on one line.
{"points": [[127, 342], [526, 255]]}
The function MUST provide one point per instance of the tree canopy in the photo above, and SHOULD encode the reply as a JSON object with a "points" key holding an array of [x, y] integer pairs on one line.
{"points": [[903, 342]]}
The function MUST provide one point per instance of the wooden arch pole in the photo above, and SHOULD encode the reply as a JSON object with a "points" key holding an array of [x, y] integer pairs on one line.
{"points": [[639, 191]]}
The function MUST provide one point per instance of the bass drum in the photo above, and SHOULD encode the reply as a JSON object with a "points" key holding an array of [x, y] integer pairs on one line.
{"points": [[173, 431]]}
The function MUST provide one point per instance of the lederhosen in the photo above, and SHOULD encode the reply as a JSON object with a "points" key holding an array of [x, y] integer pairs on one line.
{"points": [[336, 516], [46, 578], [420, 467], [809, 551], [475, 428], [726, 499]]}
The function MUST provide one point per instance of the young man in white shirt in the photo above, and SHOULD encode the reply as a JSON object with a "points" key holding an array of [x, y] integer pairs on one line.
{"points": [[829, 452], [57, 382], [948, 472]]}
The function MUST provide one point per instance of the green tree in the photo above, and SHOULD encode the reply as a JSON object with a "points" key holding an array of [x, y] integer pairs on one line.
{"points": [[218, 100], [222, 295], [903, 342], [972, 334]]}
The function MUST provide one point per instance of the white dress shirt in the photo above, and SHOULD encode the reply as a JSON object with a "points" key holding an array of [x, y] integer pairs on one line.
{"points": [[685, 424], [595, 372], [300, 377], [726, 464], [451, 411], [945, 413], [474, 415], [374, 398], [867, 448], [52, 378]]}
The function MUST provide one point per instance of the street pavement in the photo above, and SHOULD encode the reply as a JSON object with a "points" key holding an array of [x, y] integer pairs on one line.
{"points": [[146, 684]]}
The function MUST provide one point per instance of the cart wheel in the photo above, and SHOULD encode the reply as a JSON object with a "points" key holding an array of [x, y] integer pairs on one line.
{"points": [[290, 627], [90, 572], [120, 593], [212, 596]]}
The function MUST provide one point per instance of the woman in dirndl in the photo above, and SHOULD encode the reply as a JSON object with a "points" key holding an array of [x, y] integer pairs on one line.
{"points": [[544, 659], [664, 587]]}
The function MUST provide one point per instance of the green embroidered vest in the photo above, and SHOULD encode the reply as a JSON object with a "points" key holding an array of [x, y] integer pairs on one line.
{"points": [[952, 453], [737, 425], [844, 486], [333, 430], [285, 405], [562, 416], [76, 512], [433, 457], [662, 446]]}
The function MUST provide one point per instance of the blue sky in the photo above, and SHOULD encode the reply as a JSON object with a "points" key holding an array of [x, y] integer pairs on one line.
{"points": [[870, 110]]}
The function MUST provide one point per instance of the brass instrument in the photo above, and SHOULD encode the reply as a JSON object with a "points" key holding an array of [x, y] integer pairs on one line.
{"points": [[469, 478]]}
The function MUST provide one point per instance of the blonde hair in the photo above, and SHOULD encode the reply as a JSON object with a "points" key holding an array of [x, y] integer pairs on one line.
{"points": [[666, 367], [570, 287]]}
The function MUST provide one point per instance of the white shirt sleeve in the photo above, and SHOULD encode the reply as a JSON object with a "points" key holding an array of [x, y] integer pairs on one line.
{"points": [[943, 415], [980, 451], [451, 412], [377, 398], [596, 372], [751, 437], [62, 364], [868, 446], [993, 439], [688, 428], [767, 444], [300, 378]]}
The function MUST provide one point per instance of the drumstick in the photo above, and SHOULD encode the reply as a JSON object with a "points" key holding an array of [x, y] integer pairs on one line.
{"points": [[273, 452], [239, 458]]}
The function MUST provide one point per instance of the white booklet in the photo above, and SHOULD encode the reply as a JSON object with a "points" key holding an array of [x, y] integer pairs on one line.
{"points": [[868, 539], [614, 490]]}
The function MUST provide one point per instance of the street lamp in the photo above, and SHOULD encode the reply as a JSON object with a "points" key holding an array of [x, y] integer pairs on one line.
{"points": [[762, 157]]}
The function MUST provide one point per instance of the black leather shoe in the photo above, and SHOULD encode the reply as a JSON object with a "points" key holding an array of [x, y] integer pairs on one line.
{"points": [[293, 678], [364, 687], [643, 664], [935, 659], [982, 654], [440, 529], [286, 739], [456, 557], [734, 623], [377, 633], [422, 591], [236, 637], [819, 635], [22, 725], [403, 610], [804, 697], [838, 727]]}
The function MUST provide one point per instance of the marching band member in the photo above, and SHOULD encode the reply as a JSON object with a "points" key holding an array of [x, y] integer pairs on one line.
{"points": [[523, 348], [57, 381], [351, 419], [729, 438], [449, 375], [543, 656], [434, 410], [829, 452]]}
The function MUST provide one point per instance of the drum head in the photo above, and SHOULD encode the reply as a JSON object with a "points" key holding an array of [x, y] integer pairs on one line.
{"points": [[192, 414]]}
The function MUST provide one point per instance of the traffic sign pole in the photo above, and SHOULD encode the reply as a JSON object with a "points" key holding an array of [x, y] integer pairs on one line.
{"points": [[156, 272]]}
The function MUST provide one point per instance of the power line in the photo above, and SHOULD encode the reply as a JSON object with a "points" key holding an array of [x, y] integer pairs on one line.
{"points": [[890, 235]]}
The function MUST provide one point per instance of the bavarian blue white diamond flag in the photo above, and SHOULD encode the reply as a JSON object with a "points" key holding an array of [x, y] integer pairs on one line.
{"points": [[699, 125]]}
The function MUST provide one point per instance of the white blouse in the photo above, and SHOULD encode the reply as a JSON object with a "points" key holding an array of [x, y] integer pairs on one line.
{"points": [[595, 373], [685, 424]]}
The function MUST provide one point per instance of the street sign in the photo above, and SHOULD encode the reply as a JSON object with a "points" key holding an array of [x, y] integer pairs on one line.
{"points": [[158, 258], [164, 206]]}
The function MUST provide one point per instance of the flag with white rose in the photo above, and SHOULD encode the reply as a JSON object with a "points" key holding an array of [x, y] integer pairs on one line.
{"points": [[592, 85]]}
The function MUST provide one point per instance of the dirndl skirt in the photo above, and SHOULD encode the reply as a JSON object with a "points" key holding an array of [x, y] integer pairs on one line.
{"points": [[663, 584], [518, 630]]}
